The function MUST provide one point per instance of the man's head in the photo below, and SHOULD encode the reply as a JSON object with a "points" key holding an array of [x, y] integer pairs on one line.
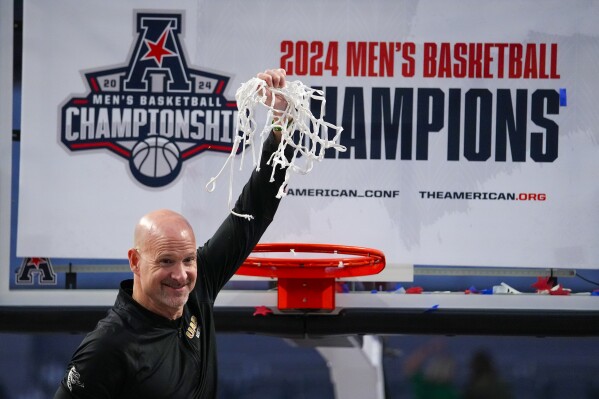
{"points": [[163, 261]]}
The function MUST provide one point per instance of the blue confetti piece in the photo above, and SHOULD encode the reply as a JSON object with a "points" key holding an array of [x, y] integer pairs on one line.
{"points": [[374, 291], [563, 98], [432, 309], [488, 291]]}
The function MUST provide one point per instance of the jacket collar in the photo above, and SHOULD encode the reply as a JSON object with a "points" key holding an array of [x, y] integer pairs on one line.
{"points": [[136, 312]]}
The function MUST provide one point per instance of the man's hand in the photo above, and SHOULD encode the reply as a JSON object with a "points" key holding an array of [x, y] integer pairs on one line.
{"points": [[274, 78]]}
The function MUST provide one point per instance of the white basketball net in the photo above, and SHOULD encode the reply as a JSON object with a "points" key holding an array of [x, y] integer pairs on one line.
{"points": [[311, 142]]}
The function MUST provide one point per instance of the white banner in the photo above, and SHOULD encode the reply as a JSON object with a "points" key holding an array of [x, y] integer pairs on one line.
{"points": [[471, 127]]}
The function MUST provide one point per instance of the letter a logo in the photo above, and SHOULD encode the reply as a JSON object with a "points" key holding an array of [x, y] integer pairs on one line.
{"points": [[39, 266], [156, 59]]}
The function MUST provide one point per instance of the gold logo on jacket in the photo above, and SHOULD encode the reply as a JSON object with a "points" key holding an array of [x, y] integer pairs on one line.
{"points": [[193, 330]]}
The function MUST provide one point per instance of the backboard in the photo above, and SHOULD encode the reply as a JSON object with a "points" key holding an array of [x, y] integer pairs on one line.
{"points": [[472, 148]]}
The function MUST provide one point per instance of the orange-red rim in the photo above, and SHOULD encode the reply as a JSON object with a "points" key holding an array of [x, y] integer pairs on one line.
{"points": [[350, 261]]}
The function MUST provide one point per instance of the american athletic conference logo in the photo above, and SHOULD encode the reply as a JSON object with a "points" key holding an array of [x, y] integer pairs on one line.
{"points": [[155, 111]]}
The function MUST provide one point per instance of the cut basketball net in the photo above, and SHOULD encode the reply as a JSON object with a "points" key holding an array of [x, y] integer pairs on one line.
{"points": [[311, 142]]}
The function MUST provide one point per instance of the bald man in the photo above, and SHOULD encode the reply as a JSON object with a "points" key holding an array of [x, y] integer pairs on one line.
{"points": [[158, 340], [165, 275]]}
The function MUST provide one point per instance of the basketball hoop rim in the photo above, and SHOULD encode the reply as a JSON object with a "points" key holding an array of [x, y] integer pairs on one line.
{"points": [[363, 261]]}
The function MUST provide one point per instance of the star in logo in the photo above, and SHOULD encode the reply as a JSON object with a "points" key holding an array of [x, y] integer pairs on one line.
{"points": [[157, 49], [36, 262]]}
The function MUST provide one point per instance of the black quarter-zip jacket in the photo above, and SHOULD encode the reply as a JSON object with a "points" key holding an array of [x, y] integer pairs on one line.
{"points": [[134, 353]]}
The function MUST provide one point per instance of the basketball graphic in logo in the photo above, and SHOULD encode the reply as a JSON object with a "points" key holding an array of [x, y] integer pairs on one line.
{"points": [[155, 159]]}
